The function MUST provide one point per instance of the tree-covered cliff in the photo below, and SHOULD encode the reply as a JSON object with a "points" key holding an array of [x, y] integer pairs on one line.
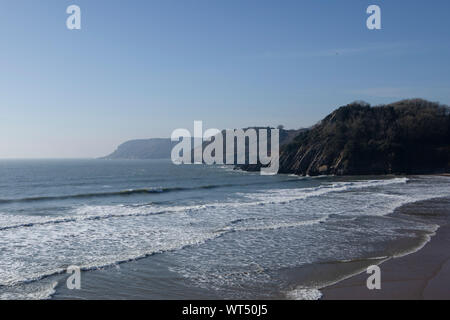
{"points": [[406, 137]]}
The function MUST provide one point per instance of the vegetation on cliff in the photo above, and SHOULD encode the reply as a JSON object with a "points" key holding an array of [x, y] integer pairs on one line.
{"points": [[406, 137]]}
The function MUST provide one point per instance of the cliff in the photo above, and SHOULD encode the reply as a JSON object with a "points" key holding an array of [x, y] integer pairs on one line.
{"points": [[406, 137], [157, 148]]}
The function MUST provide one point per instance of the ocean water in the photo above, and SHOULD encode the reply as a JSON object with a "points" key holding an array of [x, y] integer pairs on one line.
{"points": [[153, 230]]}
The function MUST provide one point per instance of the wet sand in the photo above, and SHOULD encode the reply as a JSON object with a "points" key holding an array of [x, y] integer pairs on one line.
{"points": [[422, 275]]}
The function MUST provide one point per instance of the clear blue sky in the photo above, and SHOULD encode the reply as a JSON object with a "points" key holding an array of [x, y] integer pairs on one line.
{"points": [[140, 69]]}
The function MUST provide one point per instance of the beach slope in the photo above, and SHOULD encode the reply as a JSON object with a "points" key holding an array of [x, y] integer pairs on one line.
{"points": [[422, 275]]}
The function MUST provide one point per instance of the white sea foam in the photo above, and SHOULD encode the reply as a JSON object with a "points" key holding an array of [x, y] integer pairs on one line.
{"points": [[274, 226], [304, 294], [274, 196], [99, 235], [287, 195], [30, 291]]}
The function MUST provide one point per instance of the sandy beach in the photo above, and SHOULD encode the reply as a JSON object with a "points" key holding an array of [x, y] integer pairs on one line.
{"points": [[422, 275]]}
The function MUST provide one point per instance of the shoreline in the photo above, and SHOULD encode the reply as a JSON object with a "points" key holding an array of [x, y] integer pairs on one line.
{"points": [[421, 275], [166, 284]]}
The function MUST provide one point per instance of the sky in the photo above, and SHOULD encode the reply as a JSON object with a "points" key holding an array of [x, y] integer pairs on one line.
{"points": [[143, 68]]}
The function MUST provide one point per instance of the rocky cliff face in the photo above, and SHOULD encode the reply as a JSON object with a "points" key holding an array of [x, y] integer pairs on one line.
{"points": [[406, 137]]}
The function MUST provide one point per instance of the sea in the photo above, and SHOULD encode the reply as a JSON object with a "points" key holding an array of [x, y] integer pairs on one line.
{"points": [[149, 229]]}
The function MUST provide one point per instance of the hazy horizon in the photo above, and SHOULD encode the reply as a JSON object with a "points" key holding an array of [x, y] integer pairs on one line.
{"points": [[143, 69]]}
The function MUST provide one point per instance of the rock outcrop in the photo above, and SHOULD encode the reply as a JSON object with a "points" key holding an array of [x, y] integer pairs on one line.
{"points": [[406, 137], [158, 148]]}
